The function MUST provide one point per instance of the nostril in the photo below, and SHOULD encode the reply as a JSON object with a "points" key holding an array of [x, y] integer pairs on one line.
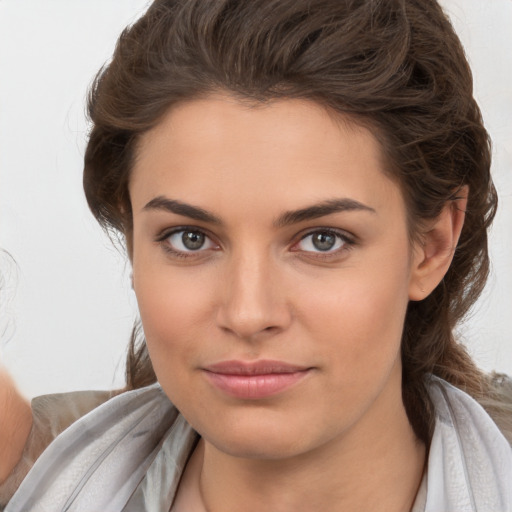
{"points": [[250, 333]]}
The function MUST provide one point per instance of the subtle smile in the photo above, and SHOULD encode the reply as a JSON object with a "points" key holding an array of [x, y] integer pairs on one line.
{"points": [[257, 380]]}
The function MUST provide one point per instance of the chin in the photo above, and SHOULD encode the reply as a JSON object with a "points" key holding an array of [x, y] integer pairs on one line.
{"points": [[266, 438]]}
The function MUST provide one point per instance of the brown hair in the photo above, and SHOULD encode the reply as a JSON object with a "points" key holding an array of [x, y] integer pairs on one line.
{"points": [[395, 66]]}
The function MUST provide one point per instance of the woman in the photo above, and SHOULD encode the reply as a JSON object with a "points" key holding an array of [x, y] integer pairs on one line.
{"points": [[304, 191]]}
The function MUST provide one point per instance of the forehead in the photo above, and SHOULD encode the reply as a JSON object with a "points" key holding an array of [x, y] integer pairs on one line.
{"points": [[219, 149]]}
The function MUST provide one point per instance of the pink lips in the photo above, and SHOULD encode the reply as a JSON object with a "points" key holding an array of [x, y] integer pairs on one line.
{"points": [[257, 380]]}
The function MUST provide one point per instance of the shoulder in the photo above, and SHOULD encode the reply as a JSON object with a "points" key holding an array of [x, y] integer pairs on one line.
{"points": [[54, 413], [495, 398], [107, 450], [470, 460], [51, 415], [498, 402]]}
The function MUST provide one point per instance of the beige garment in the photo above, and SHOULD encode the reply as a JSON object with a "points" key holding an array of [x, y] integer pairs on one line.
{"points": [[51, 414], [498, 403]]}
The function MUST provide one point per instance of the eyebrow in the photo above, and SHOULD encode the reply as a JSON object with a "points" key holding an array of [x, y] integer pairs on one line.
{"points": [[184, 209], [286, 219], [320, 210]]}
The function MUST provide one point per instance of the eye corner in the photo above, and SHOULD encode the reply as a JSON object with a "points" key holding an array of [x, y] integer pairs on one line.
{"points": [[330, 243], [175, 244]]}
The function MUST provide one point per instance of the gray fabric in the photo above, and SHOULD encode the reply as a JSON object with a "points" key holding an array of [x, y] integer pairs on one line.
{"points": [[98, 463], [470, 461], [51, 415], [129, 454]]}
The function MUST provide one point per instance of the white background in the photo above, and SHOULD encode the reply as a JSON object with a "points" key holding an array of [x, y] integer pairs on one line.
{"points": [[67, 307]]}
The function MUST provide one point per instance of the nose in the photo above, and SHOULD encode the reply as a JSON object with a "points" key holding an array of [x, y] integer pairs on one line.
{"points": [[253, 301]]}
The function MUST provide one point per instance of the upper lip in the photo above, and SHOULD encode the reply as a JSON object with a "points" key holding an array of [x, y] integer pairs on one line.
{"points": [[262, 367]]}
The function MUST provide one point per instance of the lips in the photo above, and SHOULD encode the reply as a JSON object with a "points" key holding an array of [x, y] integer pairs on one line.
{"points": [[254, 380]]}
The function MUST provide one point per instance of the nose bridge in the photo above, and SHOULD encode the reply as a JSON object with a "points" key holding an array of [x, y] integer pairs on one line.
{"points": [[252, 301]]}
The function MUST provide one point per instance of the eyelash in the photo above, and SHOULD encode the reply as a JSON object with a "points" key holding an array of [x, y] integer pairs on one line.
{"points": [[347, 242], [162, 239]]}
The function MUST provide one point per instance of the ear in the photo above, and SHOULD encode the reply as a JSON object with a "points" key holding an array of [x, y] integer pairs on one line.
{"points": [[433, 254]]}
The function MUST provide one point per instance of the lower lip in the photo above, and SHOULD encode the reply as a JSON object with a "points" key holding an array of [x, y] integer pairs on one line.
{"points": [[253, 387]]}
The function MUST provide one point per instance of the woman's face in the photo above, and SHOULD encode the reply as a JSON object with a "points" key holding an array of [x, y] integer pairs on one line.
{"points": [[272, 269]]}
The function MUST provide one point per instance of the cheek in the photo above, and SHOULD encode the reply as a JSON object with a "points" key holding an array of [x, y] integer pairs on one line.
{"points": [[172, 306], [358, 316]]}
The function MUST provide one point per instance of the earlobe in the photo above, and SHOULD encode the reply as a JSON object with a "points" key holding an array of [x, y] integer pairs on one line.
{"points": [[433, 255]]}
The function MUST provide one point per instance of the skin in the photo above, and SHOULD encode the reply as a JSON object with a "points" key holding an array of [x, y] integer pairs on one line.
{"points": [[258, 288], [14, 426]]}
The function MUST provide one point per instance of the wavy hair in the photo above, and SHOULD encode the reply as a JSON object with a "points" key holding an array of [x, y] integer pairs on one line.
{"points": [[393, 66]]}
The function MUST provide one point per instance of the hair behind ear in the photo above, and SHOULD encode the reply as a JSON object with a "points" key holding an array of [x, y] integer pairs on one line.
{"points": [[138, 370]]}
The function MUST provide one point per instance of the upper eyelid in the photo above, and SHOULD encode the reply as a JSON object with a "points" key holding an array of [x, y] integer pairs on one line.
{"points": [[349, 242], [336, 231], [164, 234], [167, 232]]}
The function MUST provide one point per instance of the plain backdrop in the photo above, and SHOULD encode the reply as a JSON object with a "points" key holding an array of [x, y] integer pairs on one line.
{"points": [[66, 304]]}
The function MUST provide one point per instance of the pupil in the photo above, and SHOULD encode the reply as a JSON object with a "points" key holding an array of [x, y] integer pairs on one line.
{"points": [[192, 240], [324, 241]]}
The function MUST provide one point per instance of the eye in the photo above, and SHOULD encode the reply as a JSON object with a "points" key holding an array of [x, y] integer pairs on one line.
{"points": [[187, 241], [322, 241]]}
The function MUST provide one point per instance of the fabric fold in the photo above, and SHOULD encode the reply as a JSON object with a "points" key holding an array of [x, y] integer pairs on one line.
{"points": [[129, 454], [470, 461]]}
